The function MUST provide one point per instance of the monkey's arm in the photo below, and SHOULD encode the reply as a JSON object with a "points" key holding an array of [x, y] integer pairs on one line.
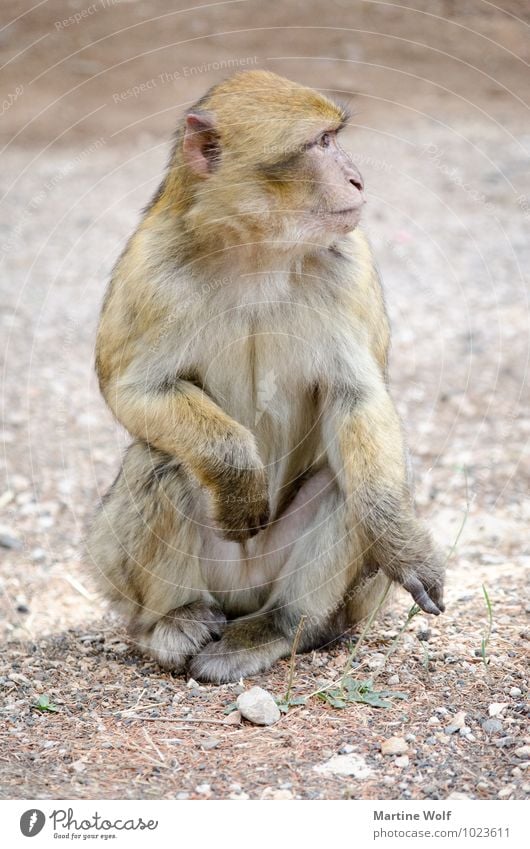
{"points": [[170, 413], [367, 454], [180, 419]]}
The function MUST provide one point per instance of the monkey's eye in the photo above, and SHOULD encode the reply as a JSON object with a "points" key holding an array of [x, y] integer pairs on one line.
{"points": [[324, 140]]}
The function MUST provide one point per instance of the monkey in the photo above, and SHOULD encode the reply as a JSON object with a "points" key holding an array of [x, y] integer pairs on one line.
{"points": [[243, 344]]}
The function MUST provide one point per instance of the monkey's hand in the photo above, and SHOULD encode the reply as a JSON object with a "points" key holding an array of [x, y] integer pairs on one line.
{"points": [[408, 556], [240, 500]]}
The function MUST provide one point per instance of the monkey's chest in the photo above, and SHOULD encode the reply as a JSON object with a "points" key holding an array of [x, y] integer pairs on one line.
{"points": [[261, 381]]}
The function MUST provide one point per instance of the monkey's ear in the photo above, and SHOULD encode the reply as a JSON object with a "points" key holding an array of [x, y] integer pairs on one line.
{"points": [[201, 147]]}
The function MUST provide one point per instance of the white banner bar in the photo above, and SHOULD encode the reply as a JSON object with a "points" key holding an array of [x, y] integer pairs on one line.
{"points": [[355, 823]]}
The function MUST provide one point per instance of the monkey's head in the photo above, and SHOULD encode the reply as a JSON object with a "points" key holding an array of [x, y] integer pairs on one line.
{"points": [[259, 161]]}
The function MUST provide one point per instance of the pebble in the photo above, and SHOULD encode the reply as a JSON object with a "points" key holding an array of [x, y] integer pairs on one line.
{"points": [[393, 680], [376, 660], [505, 742], [192, 684], [8, 540], [441, 711], [496, 708], [274, 793], [210, 743], [203, 789], [410, 738], [457, 795], [234, 718], [458, 721], [346, 749], [38, 554], [394, 746], [515, 692], [402, 761], [18, 678], [492, 726], [351, 764], [238, 796], [182, 796], [433, 720], [258, 706], [506, 791], [521, 752]]}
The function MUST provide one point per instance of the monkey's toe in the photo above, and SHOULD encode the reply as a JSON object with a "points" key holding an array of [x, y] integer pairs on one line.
{"points": [[225, 661], [181, 633]]}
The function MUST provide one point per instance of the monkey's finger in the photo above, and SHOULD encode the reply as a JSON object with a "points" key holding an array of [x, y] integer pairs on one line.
{"points": [[420, 596]]}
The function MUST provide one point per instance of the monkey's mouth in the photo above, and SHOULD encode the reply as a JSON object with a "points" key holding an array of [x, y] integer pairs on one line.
{"points": [[348, 211]]}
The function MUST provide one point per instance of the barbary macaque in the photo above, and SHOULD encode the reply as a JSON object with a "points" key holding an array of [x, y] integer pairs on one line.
{"points": [[243, 344]]}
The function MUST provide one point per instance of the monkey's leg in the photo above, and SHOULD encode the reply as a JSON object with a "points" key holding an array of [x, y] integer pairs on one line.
{"points": [[144, 545], [322, 579]]}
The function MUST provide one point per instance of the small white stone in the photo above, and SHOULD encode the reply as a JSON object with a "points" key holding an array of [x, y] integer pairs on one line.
{"points": [[402, 761], [433, 720], [375, 661], [394, 746], [456, 795], [521, 752], [274, 793], [496, 708], [515, 692], [192, 684], [258, 706], [203, 789], [233, 718], [351, 764], [459, 719], [393, 680], [506, 791]]}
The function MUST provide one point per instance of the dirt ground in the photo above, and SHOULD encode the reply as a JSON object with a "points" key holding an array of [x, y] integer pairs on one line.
{"points": [[441, 134]]}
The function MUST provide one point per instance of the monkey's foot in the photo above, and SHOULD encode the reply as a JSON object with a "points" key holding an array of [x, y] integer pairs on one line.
{"points": [[181, 633], [246, 648]]}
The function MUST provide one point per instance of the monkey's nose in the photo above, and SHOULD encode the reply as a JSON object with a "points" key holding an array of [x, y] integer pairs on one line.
{"points": [[357, 181]]}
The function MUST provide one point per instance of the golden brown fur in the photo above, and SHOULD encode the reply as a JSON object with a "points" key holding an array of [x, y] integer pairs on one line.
{"points": [[243, 343]]}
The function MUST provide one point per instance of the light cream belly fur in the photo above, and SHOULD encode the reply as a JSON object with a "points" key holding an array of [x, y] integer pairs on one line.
{"points": [[274, 397], [241, 577]]}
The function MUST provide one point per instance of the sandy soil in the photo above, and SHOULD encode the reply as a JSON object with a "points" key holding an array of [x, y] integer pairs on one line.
{"points": [[441, 136]]}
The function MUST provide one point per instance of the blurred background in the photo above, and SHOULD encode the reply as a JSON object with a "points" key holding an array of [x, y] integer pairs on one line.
{"points": [[91, 93]]}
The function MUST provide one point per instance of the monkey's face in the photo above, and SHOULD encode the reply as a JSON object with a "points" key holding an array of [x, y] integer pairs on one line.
{"points": [[319, 191], [266, 165]]}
